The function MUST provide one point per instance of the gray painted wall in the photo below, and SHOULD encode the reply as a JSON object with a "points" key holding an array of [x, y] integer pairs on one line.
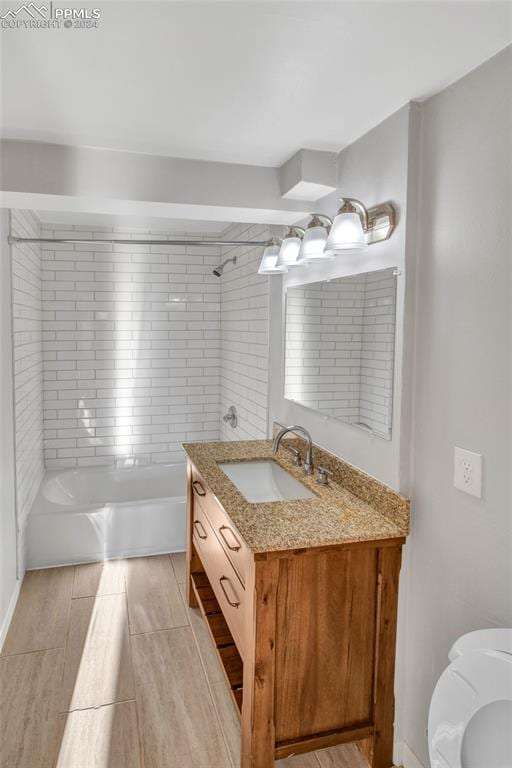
{"points": [[378, 167], [460, 568], [450, 177]]}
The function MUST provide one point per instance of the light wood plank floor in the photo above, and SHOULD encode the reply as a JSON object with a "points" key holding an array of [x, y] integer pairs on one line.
{"points": [[105, 666]]}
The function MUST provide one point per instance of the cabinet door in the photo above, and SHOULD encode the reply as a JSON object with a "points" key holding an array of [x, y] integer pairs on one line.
{"points": [[325, 644]]}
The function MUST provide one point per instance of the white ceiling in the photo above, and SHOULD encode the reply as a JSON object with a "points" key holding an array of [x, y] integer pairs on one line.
{"points": [[247, 82]]}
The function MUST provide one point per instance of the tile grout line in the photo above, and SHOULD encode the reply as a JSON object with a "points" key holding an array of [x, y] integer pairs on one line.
{"points": [[35, 650], [103, 594], [62, 671], [140, 740], [162, 629], [172, 565], [74, 582], [66, 639]]}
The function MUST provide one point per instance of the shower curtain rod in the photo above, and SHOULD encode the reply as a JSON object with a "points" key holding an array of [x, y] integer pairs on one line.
{"points": [[119, 241]]}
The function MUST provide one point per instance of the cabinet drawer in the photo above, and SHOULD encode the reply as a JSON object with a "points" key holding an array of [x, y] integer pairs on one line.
{"points": [[230, 539], [221, 575]]}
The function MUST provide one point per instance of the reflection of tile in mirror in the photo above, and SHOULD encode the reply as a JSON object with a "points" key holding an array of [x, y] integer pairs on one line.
{"points": [[340, 348]]}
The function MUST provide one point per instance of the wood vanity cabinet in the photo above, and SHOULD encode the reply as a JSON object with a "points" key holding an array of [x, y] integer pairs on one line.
{"points": [[306, 637]]}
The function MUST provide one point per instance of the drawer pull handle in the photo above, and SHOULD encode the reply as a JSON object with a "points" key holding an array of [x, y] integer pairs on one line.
{"points": [[234, 603], [233, 547], [200, 529], [198, 488]]}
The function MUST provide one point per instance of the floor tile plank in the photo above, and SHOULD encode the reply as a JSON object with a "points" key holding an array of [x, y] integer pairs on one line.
{"points": [[176, 714], [154, 600], [308, 760], [97, 667], [100, 738], [107, 578], [40, 620], [229, 720], [82, 646], [344, 756], [207, 652], [204, 643], [29, 685]]}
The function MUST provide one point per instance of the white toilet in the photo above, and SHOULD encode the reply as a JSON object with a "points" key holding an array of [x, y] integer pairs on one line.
{"points": [[470, 718]]}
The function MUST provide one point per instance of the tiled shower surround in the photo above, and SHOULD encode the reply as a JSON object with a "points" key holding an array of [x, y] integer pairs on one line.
{"points": [[244, 336], [131, 339]]}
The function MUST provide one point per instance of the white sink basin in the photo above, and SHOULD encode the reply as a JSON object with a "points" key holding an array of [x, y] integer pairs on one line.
{"points": [[260, 481]]}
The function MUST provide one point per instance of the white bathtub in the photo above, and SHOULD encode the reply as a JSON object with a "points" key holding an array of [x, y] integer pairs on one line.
{"points": [[98, 513]]}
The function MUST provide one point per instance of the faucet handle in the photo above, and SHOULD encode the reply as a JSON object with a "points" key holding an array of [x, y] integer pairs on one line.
{"points": [[323, 475], [296, 460], [231, 417]]}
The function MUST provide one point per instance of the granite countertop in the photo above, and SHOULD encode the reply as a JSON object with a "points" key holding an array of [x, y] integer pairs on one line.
{"points": [[336, 516]]}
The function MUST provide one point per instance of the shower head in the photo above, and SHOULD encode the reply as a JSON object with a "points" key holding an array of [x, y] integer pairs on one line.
{"points": [[220, 269]]}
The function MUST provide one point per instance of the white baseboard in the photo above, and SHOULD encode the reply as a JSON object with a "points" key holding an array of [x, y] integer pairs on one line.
{"points": [[409, 759], [10, 610]]}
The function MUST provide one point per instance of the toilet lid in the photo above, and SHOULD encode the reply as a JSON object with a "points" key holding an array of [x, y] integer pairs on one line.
{"points": [[471, 682], [499, 639]]}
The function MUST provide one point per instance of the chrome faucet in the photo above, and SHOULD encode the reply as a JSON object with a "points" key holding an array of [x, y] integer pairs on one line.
{"points": [[308, 461]]}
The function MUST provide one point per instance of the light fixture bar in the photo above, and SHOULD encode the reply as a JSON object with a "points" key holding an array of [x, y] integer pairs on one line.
{"points": [[381, 223], [118, 241], [378, 222]]}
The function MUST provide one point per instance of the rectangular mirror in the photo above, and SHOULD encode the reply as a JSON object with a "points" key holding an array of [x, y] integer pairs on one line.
{"points": [[339, 348]]}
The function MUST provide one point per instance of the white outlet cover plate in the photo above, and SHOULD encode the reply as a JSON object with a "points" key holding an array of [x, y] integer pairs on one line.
{"points": [[467, 474]]}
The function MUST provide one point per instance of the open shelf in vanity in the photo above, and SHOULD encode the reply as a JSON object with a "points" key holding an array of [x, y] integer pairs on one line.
{"points": [[222, 639]]}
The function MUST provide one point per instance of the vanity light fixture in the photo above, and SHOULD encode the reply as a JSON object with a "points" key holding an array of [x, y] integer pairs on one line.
{"points": [[315, 238], [355, 226], [289, 255], [268, 264]]}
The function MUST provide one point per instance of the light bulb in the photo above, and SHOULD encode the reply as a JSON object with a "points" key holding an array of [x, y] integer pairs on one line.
{"points": [[268, 264], [289, 253], [313, 245], [346, 233]]}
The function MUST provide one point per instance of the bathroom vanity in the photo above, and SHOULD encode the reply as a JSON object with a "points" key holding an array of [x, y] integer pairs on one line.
{"points": [[299, 595]]}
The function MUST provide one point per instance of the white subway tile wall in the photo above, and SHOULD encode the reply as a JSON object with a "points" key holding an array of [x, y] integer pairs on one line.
{"points": [[28, 365], [244, 336], [340, 347], [131, 340], [324, 330], [377, 351]]}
